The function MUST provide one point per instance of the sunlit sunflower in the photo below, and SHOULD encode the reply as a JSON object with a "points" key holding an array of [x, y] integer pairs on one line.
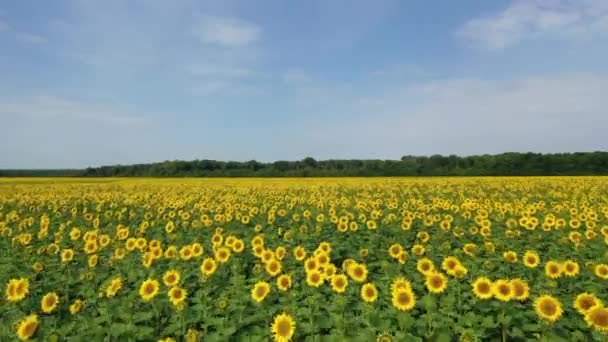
{"points": [[314, 278], [67, 255], [311, 264], [149, 289], [358, 272], [394, 250], [49, 302], [222, 254], [322, 259], [531, 259], [521, 289], [260, 290], [403, 299], [585, 301], [238, 246], [510, 256], [339, 282], [436, 282], [208, 266], [17, 289], [548, 308], [26, 328], [284, 282], [483, 288], [601, 270], [177, 295], [171, 278], [273, 268], [283, 328], [470, 249], [113, 287], [425, 266], [369, 292], [553, 269], [571, 268], [299, 253], [502, 290], [597, 317], [76, 307], [400, 283], [197, 249]]}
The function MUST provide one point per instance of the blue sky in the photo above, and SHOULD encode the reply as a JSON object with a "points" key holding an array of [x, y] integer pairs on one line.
{"points": [[87, 82]]}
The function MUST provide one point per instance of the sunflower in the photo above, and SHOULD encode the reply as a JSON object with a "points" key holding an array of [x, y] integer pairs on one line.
{"points": [[177, 295], [470, 249], [363, 252], [531, 259], [403, 299], [197, 249], [418, 250], [369, 293], [17, 289], [339, 282], [185, 253], [49, 302], [450, 264], [548, 308], [502, 290], [436, 282], [553, 269], [260, 290], [208, 266], [601, 270], [37, 266], [76, 306], [585, 301], [358, 272], [114, 286], [425, 266], [325, 247], [400, 283], [26, 328], [483, 288], [299, 253], [510, 256], [267, 255], [385, 337], [571, 268], [67, 255], [238, 246], [597, 317], [322, 259], [521, 290], [273, 268], [314, 278], [171, 278], [283, 327], [284, 282], [311, 264], [222, 254], [149, 289], [394, 250]]}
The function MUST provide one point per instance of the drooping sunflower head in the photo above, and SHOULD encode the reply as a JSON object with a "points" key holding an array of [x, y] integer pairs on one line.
{"points": [[548, 308]]}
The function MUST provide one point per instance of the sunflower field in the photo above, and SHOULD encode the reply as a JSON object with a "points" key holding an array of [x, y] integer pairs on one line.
{"points": [[332, 259]]}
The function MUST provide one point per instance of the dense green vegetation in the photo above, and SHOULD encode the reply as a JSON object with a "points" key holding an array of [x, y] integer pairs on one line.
{"points": [[506, 164]]}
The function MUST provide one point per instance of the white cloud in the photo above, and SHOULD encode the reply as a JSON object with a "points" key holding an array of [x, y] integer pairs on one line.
{"points": [[224, 31], [527, 19], [53, 107], [220, 71], [30, 38]]}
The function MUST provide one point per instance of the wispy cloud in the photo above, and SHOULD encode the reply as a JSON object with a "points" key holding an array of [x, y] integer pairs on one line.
{"points": [[528, 19], [53, 107], [224, 31], [31, 38]]}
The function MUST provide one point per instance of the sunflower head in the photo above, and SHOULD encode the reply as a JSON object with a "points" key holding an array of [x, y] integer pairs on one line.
{"points": [[548, 308], [283, 327]]}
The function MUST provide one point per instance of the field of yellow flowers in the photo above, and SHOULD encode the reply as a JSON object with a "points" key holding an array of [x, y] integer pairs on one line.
{"points": [[403, 259]]}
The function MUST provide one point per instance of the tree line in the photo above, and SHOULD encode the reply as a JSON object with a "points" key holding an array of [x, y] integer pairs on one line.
{"points": [[506, 164]]}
